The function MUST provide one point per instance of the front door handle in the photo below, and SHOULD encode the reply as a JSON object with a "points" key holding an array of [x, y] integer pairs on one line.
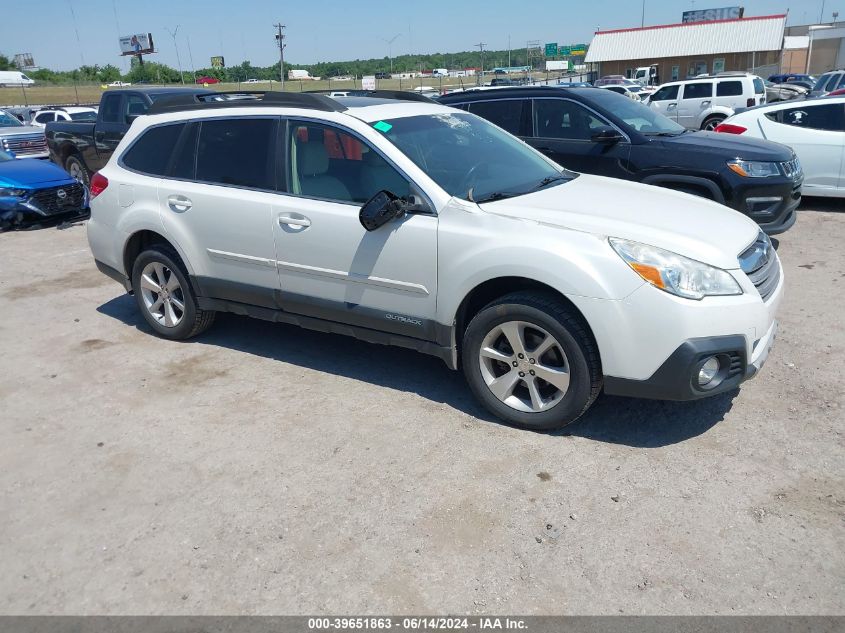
{"points": [[179, 203], [292, 221], [671, 106]]}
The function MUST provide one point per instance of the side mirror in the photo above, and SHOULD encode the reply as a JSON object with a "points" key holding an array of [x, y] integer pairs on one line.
{"points": [[381, 209], [605, 134]]}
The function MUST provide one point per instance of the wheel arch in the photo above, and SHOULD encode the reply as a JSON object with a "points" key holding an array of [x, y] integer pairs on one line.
{"points": [[673, 181], [141, 240]]}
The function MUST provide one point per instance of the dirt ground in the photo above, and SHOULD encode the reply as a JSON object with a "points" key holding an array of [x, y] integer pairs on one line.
{"points": [[265, 469]]}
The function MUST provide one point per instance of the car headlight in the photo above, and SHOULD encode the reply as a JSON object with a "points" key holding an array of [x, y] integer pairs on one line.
{"points": [[11, 193], [754, 168], [674, 273]]}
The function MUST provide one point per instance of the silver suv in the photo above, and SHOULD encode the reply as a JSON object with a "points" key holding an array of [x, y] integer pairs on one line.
{"points": [[703, 103], [828, 82]]}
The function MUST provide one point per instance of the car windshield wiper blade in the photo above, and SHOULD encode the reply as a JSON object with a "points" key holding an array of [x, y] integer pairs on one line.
{"points": [[666, 133], [496, 195], [549, 180]]}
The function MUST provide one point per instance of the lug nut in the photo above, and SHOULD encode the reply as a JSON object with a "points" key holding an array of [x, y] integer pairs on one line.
{"points": [[521, 355], [522, 374], [532, 372], [515, 363], [531, 360]]}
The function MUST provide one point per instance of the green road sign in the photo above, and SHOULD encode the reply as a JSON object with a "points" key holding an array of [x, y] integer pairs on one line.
{"points": [[551, 49], [564, 50], [579, 49]]}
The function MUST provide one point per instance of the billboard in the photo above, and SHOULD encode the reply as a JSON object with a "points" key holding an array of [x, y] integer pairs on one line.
{"points": [[138, 44], [711, 15], [24, 61], [218, 62]]}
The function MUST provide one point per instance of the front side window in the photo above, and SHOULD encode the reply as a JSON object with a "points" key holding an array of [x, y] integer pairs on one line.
{"points": [[151, 153], [729, 89], [237, 152], [469, 157], [829, 116], [560, 118], [506, 113], [698, 91], [135, 106], [666, 93], [637, 115], [328, 163], [45, 117]]}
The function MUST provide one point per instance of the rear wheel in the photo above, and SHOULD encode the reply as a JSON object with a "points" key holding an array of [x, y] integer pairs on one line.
{"points": [[77, 170], [711, 122], [164, 295], [530, 360]]}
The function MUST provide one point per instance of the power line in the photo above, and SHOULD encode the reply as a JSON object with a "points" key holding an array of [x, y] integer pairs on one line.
{"points": [[176, 46]]}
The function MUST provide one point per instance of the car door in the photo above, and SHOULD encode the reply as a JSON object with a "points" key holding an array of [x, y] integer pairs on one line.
{"points": [[331, 267], [695, 102], [816, 131], [665, 101], [217, 202], [562, 129]]}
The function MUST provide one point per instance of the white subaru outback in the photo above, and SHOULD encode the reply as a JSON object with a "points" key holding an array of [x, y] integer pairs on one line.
{"points": [[404, 222]]}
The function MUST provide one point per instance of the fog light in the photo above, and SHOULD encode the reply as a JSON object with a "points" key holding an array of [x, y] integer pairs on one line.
{"points": [[708, 371]]}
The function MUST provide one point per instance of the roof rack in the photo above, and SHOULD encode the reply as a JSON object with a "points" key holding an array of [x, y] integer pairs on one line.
{"points": [[399, 95], [245, 98]]}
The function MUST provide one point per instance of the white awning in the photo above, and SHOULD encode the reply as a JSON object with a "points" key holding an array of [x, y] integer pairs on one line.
{"points": [[744, 35]]}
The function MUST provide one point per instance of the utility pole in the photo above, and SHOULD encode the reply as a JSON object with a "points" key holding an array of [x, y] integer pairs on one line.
{"points": [[821, 13], [481, 46], [642, 20], [390, 48], [280, 38], [509, 51], [191, 57], [176, 46]]}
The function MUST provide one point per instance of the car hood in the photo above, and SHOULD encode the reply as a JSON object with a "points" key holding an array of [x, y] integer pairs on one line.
{"points": [[27, 172], [16, 131], [688, 225], [734, 145]]}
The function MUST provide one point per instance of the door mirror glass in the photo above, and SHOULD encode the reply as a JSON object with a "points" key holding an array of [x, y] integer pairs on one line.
{"points": [[605, 134], [381, 209]]}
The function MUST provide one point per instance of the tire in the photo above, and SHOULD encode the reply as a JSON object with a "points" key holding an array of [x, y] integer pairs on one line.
{"points": [[570, 361], [77, 169], [174, 313], [711, 122]]}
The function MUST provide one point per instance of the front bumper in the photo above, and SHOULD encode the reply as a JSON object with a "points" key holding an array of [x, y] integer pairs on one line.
{"points": [[40, 206], [677, 377], [771, 205]]}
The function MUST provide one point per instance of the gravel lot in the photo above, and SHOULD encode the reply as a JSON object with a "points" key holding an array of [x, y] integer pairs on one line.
{"points": [[267, 469]]}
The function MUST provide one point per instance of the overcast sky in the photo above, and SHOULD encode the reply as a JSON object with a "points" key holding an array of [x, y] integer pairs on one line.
{"points": [[319, 30]]}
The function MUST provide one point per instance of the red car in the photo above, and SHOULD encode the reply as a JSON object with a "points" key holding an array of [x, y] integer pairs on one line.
{"points": [[207, 80]]}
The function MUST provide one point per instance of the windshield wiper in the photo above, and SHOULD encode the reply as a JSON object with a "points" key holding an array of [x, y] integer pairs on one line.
{"points": [[496, 195], [549, 180]]}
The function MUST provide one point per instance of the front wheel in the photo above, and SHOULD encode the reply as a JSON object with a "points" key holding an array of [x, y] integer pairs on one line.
{"points": [[530, 360], [77, 170], [165, 297]]}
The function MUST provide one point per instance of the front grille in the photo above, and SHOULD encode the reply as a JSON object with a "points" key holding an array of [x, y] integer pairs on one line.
{"points": [[792, 169], [51, 201], [760, 262], [26, 144]]}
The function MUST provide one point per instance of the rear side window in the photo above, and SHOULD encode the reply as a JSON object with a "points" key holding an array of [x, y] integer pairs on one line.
{"points": [[110, 108], [237, 152], [829, 116], [506, 113], [667, 93], [698, 91], [728, 88], [186, 153], [151, 153]]}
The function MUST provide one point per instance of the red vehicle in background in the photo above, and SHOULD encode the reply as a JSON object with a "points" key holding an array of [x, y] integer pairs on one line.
{"points": [[207, 80]]}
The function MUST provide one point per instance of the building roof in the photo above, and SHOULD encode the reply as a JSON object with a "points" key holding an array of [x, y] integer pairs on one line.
{"points": [[743, 35]]}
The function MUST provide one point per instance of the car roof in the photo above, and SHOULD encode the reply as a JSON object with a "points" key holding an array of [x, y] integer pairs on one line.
{"points": [[163, 90]]}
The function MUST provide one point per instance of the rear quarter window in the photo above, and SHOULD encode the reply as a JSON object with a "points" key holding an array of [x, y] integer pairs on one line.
{"points": [[151, 153], [759, 86], [698, 91], [729, 88]]}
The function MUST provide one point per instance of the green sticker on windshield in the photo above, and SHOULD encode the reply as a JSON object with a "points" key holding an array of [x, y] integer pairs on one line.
{"points": [[383, 126]]}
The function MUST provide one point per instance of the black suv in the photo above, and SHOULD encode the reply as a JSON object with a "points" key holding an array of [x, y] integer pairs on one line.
{"points": [[600, 132]]}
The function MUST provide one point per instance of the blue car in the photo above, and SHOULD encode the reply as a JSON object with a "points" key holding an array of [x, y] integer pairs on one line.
{"points": [[35, 192]]}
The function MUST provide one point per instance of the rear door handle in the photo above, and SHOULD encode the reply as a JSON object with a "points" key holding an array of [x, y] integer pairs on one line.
{"points": [[671, 105], [179, 203], [705, 103], [292, 221]]}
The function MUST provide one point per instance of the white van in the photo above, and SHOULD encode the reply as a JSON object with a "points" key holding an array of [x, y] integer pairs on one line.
{"points": [[14, 78]]}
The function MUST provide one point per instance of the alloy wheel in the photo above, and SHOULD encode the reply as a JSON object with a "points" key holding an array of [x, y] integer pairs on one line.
{"points": [[524, 366], [162, 294]]}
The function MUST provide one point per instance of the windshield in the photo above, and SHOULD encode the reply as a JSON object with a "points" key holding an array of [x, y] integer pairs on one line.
{"points": [[7, 120], [471, 158], [83, 116], [636, 114]]}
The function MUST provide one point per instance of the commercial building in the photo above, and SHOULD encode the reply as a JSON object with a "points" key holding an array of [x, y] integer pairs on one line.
{"points": [[826, 50], [688, 49]]}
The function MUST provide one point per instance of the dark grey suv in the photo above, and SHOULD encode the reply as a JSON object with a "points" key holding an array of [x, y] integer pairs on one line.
{"points": [[828, 82]]}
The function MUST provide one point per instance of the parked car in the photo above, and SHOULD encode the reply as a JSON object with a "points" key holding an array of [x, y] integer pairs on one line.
{"points": [[632, 92], [792, 77], [701, 104], [574, 84], [610, 80], [40, 118], [83, 147], [25, 141], [415, 224], [598, 132], [119, 84], [814, 128], [828, 82], [14, 78], [784, 92], [36, 191], [205, 79]]}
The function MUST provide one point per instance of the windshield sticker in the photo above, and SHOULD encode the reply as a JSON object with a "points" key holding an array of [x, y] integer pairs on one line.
{"points": [[383, 126]]}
